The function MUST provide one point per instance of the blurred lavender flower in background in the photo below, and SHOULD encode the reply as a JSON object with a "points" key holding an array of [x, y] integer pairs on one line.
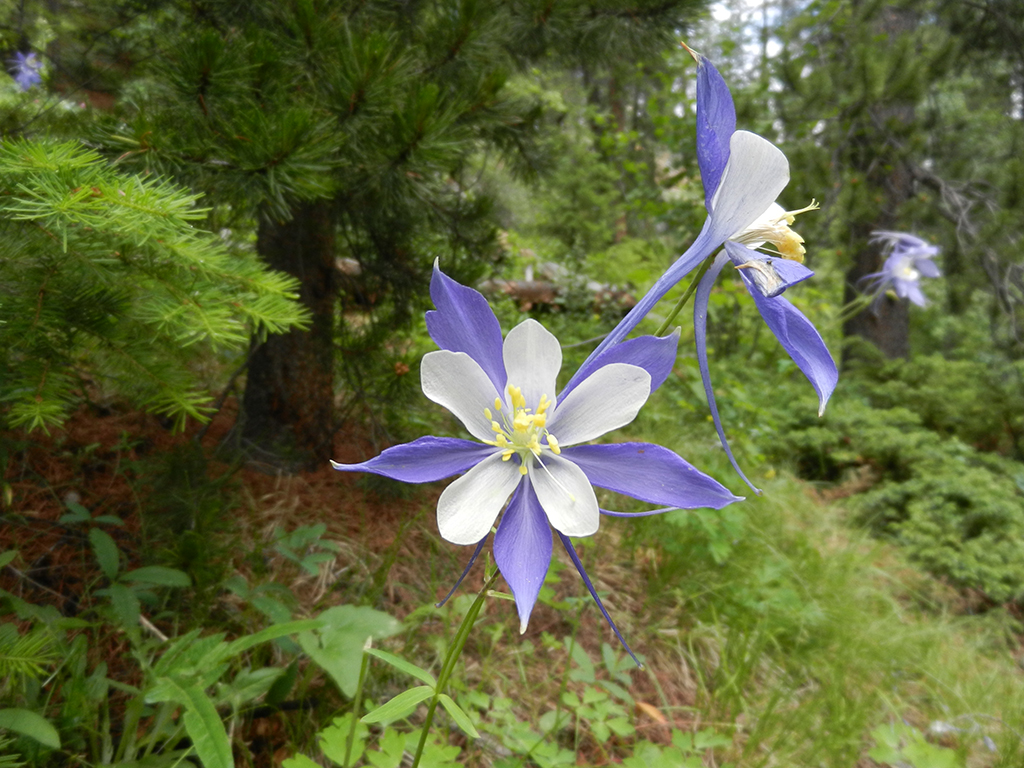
{"points": [[26, 70], [909, 259]]}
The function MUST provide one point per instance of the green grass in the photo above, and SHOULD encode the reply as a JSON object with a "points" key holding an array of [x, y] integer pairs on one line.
{"points": [[806, 635]]}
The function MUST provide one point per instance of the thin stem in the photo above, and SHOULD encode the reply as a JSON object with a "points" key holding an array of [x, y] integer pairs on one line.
{"points": [[355, 706], [691, 288], [454, 651]]}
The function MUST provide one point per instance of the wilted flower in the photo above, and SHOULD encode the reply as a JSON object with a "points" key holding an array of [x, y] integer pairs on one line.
{"points": [[530, 441], [909, 258], [26, 70]]}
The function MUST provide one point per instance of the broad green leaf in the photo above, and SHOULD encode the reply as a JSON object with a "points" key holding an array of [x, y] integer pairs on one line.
{"points": [[248, 684], [76, 513], [709, 738], [299, 761], [392, 750], [106, 551], [203, 725], [271, 633], [126, 605], [6, 558], [283, 685], [338, 645], [400, 706], [159, 575], [458, 715], [272, 608], [406, 666], [334, 739], [28, 723]]}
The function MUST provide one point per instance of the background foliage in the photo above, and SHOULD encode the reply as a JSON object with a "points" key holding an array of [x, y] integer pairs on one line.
{"points": [[200, 193]]}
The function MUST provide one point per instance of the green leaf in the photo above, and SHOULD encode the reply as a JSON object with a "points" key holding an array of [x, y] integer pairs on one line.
{"points": [[248, 684], [106, 551], [338, 645], [400, 706], [334, 740], [126, 605], [406, 666], [202, 723], [270, 633], [28, 723], [299, 761], [77, 514], [159, 575], [458, 715], [6, 558], [392, 750]]}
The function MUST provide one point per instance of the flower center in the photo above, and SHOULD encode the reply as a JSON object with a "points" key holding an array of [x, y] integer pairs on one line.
{"points": [[524, 431], [905, 270], [774, 227]]}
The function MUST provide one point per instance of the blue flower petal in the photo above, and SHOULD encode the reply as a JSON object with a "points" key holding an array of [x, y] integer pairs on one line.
{"points": [[423, 460], [770, 275], [700, 332], [701, 248], [464, 322], [655, 354], [650, 473], [716, 122], [802, 341], [522, 549]]}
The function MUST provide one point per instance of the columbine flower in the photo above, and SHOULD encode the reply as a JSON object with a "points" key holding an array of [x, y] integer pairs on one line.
{"points": [[909, 258], [27, 70], [530, 440], [765, 276], [742, 174]]}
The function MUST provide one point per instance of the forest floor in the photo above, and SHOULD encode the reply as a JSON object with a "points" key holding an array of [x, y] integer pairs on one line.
{"points": [[797, 650]]}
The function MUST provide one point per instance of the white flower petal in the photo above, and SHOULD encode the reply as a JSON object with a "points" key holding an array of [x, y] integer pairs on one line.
{"points": [[456, 381], [609, 398], [756, 173], [468, 507], [533, 358], [566, 495], [753, 236]]}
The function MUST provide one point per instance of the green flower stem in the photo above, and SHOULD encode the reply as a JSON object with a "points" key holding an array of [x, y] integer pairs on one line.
{"points": [[355, 706], [686, 296], [852, 308], [454, 651]]}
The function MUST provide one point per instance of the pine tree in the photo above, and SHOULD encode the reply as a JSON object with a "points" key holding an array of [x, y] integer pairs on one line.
{"points": [[356, 129], [107, 286]]}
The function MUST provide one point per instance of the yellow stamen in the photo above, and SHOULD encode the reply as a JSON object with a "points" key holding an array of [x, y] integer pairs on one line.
{"points": [[553, 445], [488, 415], [522, 469], [497, 403], [775, 229]]}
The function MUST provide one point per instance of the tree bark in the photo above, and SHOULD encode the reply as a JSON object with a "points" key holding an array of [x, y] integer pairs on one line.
{"points": [[288, 412], [886, 322]]}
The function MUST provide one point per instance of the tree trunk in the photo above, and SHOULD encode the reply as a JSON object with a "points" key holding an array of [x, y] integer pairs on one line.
{"points": [[886, 322], [289, 395]]}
